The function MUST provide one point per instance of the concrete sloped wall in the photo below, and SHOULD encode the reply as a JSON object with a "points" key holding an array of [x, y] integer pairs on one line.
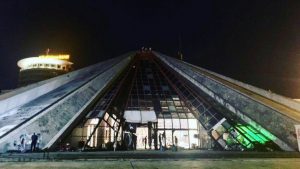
{"points": [[256, 114], [28, 93], [51, 123], [270, 95]]}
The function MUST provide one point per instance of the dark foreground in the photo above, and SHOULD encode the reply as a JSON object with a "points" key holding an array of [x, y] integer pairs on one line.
{"points": [[286, 163], [151, 159], [187, 154]]}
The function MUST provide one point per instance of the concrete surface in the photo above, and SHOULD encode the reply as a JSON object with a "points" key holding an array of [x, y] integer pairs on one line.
{"points": [[49, 115], [168, 164], [253, 108], [143, 154]]}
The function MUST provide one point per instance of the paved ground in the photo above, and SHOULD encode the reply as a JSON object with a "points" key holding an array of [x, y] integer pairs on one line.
{"points": [[144, 154], [290, 163], [203, 159]]}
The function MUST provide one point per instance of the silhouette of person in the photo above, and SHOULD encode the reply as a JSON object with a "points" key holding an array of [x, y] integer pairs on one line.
{"points": [[34, 139], [145, 140], [160, 143], [176, 143]]}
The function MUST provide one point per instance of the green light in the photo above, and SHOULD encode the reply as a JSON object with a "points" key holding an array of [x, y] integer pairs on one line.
{"points": [[248, 136], [262, 137], [252, 134], [244, 142], [252, 129], [263, 131]]}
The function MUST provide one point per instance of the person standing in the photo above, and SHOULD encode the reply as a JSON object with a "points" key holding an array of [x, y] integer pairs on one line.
{"points": [[145, 141], [22, 144], [160, 143], [34, 139], [176, 143]]}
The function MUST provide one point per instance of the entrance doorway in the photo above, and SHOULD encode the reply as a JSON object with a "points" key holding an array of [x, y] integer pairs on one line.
{"points": [[142, 133]]}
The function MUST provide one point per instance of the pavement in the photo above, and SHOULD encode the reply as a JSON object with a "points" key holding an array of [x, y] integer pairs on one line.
{"points": [[290, 163], [151, 159], [144, 154]]}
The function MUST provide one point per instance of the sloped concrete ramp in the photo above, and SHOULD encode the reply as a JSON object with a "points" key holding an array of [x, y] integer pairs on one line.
{"points": [[49, 107]]}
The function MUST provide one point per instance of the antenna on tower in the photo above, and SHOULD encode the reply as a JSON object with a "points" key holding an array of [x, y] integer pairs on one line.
{"points": [[47, 51], [180, 56]]}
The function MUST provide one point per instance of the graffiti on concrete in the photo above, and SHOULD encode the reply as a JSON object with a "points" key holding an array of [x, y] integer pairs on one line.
{"points": [[23, 143]]}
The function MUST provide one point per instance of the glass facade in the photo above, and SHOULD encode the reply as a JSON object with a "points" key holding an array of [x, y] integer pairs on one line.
{"points": [[185, 117], [151, 91]]}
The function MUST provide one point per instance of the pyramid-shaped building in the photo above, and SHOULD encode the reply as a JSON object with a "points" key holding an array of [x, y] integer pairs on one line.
{"points": [[146, 99]]}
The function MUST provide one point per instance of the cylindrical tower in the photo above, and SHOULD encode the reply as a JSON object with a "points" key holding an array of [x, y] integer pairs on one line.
{"points": [[34, 69]]}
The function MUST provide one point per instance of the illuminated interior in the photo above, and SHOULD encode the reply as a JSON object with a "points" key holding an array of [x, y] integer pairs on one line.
{"points": [[184, 117]]}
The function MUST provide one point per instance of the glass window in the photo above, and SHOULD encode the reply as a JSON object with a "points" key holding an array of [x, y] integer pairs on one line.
{"points": [[226, 124], [183, 139], [93, 121], [160, 123], [172, 108], [175, 97], [186, 109], [167, 115], [168, 123], [182, 115], [174, 115], [192, 123], [111, 121], [103, 124], [164, 108], [163, 103], [215, 134], [190, 115], [176, 124], [160, 115], [169, 142], [194, 141], [106, 116], [177, 103], [184, 123], [220, 129], [179, 109], [196, 103]]}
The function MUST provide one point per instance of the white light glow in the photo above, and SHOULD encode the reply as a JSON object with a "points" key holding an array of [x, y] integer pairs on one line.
{"points": [[59, 56], [27, 63]]}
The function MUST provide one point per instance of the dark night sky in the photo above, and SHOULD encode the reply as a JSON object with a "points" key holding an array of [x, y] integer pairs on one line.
{"points": [[256, 42]]}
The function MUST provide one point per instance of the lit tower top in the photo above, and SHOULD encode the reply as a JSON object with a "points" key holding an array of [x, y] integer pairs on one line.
{"points": [[35, 69], [48, 61]]}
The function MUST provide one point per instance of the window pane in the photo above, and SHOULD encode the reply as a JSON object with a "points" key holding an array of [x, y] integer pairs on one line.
{"points": [[194, 141], [184, 123], [168, 123], [192, 123], [160, 123], [176, 124], [172, 108]]}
